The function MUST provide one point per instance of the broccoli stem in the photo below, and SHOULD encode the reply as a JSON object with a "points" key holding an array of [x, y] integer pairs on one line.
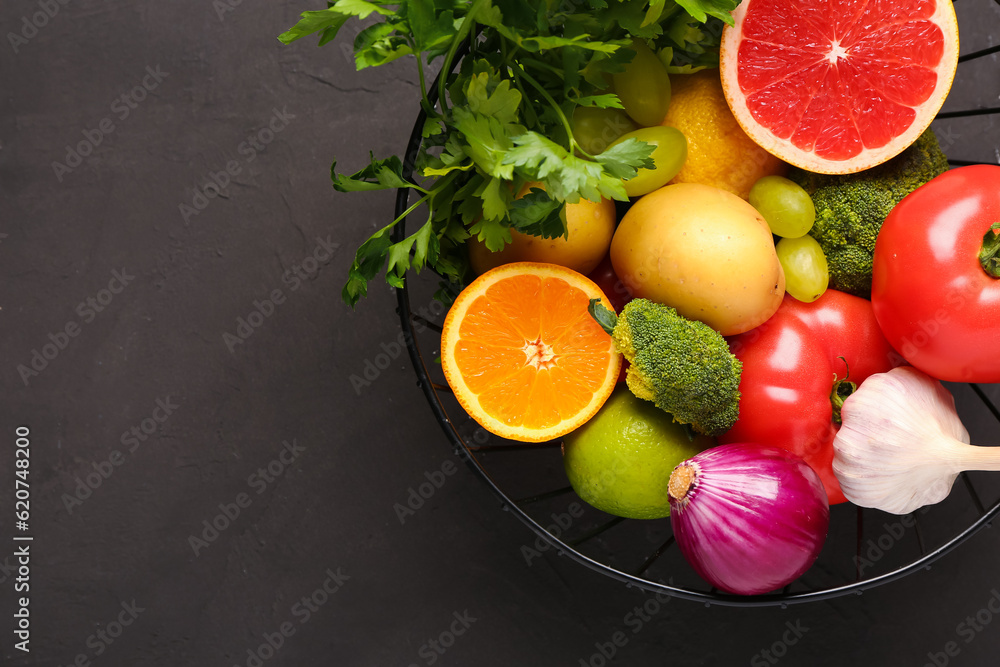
{"points": [[603, 316], [989, 254]]}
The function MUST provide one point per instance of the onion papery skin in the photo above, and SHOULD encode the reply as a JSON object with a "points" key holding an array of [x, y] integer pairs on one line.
{"points": [[753, 519]]}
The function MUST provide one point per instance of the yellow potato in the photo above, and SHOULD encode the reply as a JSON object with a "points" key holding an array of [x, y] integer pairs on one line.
{"points": [[701, 250]]}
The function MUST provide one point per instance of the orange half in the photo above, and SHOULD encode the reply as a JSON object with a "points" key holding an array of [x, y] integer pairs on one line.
{"points": [[522, 354]]}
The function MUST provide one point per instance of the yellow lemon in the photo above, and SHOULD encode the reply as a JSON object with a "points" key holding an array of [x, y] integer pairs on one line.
{"points": [[719, 152]]}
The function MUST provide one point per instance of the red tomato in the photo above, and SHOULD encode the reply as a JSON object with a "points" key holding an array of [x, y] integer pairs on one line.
{"points": [[932, 296], [614, 288], [609, 282], [789, 363]]}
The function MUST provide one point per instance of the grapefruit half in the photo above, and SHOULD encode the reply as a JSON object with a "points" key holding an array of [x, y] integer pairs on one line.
{"points": [[838, 86]]}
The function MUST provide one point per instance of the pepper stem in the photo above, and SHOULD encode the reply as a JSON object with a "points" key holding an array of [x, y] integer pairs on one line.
{"points": [[989, 254]]}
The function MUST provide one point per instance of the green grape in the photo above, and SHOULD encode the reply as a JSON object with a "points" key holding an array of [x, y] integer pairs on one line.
{"points": [[594, 129], [644, 86], [669, 153], [806, 271], [788, 208]]}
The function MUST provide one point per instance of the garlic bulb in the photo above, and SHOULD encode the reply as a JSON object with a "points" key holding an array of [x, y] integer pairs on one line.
{"points": [[902, 445]]}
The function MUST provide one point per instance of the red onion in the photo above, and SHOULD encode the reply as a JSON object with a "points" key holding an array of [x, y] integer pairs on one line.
{"points": [[748, 518]]}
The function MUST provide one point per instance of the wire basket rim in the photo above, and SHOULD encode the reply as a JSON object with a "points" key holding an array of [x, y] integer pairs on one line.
{"points": [[924, 562]]}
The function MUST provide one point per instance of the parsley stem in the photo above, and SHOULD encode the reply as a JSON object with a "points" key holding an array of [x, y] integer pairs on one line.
{"points": [[414, 186], [412, 208], [555, 106], [543, 65], [440, 185], [423, 84], [463, 32], [529, 113]]}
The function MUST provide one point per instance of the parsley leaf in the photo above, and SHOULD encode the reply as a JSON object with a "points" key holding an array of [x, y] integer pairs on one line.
{"points": [[566, 177], [622, 160], [378, 175], [492, 233], [606, 101], [702, 9], [487, 142], [330, 20], [379, 44], [503, 119], [539, 215]]}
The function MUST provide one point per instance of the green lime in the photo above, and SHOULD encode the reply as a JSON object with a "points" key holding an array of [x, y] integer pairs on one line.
{"points": [[620, 461]]}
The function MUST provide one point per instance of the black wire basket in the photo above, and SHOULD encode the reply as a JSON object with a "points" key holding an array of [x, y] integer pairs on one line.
{"points": [[864, 549]]}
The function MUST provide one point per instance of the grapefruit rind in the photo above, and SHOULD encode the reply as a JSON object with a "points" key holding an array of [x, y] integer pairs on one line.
{"points": [[943, 16], [469, 400]]}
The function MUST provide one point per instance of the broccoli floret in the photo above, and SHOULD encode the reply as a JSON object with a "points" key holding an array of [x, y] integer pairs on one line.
{"points": [[851, 208], [684, 367]]}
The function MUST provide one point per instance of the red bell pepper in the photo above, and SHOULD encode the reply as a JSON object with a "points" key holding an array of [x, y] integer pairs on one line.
{"points": [[798, 368]]}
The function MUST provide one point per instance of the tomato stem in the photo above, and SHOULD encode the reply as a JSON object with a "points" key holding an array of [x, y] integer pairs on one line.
{"points": [[989, 254], [841, 390]]}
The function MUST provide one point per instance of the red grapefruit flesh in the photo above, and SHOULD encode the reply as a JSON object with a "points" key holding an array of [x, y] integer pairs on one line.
{"points": [[838, 86]]}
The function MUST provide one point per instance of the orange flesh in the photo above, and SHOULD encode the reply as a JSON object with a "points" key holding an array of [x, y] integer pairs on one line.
{"points": [[838, 76], [530, 351]]}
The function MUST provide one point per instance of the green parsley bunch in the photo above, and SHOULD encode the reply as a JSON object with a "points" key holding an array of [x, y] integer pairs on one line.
{"points": [[500, 117]]}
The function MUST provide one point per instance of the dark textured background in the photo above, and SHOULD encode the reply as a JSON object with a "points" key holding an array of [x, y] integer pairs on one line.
{"points": [[64, 234]]}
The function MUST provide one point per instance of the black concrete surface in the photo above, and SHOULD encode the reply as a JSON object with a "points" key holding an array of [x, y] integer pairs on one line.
{"points": [[135, 284]]}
